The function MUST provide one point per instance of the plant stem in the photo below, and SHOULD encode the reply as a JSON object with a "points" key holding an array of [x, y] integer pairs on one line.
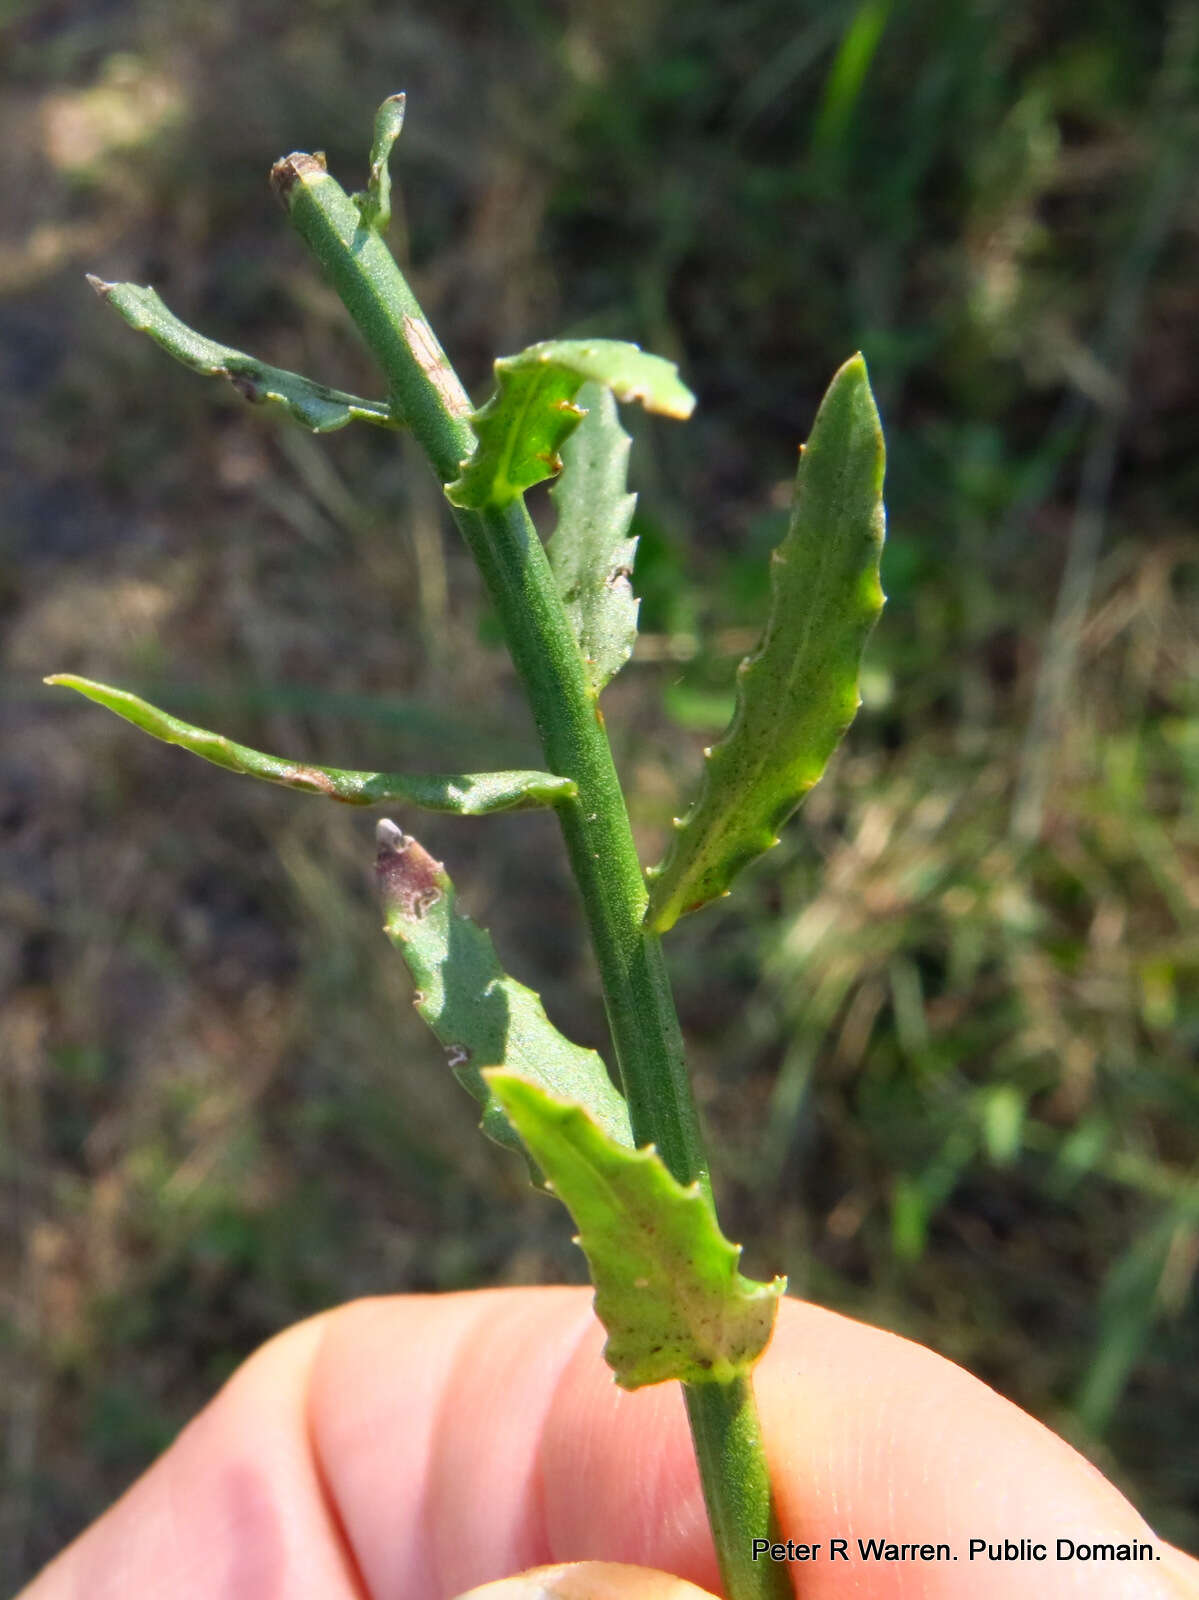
{"points": [[429, 397], [732, 1468], [513, 564]]}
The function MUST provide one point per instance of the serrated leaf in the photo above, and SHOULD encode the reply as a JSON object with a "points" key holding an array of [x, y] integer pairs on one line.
{"points": [[468, 794], [483, 1017], [526, 422], [590, 551], [313, 405], [667, 1288], [798, 692]]}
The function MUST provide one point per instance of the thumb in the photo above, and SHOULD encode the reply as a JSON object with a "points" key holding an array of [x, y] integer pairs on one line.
{"points": [[589, 1580]]}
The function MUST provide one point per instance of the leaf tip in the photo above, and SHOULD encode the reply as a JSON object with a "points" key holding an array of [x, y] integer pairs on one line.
{"points": [[100, 285], [411, 882]]}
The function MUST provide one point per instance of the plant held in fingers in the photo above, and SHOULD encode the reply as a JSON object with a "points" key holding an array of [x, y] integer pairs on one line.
{"points": [[624, 1154]]}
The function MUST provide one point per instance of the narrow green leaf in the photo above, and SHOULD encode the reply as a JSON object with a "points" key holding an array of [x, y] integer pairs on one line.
{"points": [[320, 409], [483, 1017], [590, 552], [469, 794], [843, 85], [375, 204], [526, 422], [667, 1288], [798, 692], [1130, 1303]]}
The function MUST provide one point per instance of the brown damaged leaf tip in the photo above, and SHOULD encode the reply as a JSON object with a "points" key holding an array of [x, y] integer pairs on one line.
{"points": [[410, 880], [102, 288], [293, 169]]}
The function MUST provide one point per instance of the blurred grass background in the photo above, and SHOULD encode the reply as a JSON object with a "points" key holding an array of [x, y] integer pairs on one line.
{"points": [[945, 1037]]}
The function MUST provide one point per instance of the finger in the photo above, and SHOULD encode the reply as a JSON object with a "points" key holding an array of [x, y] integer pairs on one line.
{"points": [[235, 1508], [589, 1580], [883, 1439], [516, 1449], [421, 1446]]}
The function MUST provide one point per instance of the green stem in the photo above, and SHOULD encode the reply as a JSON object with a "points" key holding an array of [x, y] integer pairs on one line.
{"points": [[516, 573], [732, 1468], [645, 1032]]}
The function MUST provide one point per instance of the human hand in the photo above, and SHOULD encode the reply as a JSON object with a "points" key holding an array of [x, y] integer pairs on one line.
{"points": [[421, 1445]]}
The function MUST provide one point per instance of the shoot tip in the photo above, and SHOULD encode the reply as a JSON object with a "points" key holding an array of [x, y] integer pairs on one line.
{"points": [[293, 169]]}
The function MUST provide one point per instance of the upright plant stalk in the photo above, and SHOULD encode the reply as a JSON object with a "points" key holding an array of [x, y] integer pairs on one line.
{"points": [[426, 394], [630, 1168]]}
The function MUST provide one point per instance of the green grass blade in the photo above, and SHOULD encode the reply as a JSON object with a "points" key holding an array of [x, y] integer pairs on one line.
{"points": [[667, 1288], [590, 552], [797, 694], [843, 87], [483, 1017], [468, 794], [312, 405], [524, 425]]}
